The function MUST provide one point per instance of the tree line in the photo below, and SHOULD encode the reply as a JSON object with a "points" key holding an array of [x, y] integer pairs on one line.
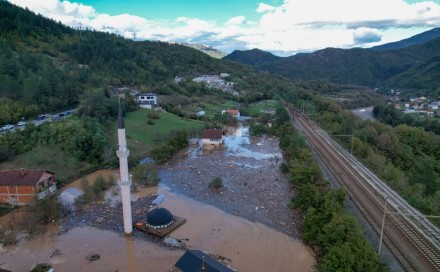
{"points": [[334, 233]]}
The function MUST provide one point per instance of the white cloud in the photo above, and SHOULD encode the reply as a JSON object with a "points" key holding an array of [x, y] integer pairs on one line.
{"points": [[238, 20], [265, 8], [289, 25], [364, 35]]}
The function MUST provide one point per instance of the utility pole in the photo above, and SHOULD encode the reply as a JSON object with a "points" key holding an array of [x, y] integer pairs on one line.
{"points": [[80, 32], [383, 225]]}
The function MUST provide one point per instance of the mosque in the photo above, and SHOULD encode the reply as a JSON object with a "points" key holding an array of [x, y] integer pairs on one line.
{"points": [[159, 221]]}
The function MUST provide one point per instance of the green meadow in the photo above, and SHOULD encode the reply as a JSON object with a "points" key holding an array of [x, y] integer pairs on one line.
{"points": [[143, 137]]}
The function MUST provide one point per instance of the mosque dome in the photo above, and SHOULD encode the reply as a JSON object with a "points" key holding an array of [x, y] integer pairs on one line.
{"points": [[159, 218]]}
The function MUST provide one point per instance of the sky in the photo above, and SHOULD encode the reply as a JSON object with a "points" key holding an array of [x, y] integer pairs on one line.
{"points": [[283, 27]]}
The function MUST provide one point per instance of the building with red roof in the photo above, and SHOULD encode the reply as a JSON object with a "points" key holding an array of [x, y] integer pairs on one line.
{"points": [[24, 186], [212, 137]]}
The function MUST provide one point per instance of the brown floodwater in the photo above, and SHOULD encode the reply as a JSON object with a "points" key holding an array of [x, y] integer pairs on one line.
{"points": [[249, 246], [245, 245]]}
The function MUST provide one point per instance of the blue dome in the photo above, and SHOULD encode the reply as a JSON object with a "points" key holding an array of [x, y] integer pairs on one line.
{"points": [[159, 218]]}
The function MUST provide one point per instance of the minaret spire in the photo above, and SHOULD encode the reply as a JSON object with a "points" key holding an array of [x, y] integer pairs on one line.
{"points": [[124, 181]]}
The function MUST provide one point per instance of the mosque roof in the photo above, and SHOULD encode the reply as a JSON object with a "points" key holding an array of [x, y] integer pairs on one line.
{"points": [[158, 217]]}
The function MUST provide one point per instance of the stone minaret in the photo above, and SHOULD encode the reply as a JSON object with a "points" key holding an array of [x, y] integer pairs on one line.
{"points": [[124, 181]]}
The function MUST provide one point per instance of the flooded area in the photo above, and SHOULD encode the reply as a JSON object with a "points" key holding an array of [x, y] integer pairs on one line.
{"points": [[364, 113], [247, 223]]}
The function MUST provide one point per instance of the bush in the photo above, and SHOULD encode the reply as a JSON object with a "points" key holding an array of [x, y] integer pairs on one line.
{"points": [[256, 130], [152, 114], [145, 174], [216, 182], [98, 186], [284, 168]]}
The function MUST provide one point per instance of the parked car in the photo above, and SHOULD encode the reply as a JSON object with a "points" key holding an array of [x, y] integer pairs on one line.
{"points": [[8, 127], [42, 117], [55, 117], [21, 123]]}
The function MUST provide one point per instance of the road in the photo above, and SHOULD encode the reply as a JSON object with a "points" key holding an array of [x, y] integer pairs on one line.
{"points": [[40, 122], [411, 238]]}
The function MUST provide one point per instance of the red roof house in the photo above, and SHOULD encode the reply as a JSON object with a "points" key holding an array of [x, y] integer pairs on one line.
{"points": [[212, 136], [234, 113], [20, 187]]}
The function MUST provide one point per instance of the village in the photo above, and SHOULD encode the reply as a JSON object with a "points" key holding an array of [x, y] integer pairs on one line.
{"points": [[419, 105]]}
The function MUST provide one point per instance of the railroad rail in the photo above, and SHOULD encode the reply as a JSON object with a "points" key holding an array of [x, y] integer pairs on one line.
{"points": [[409, 235]]}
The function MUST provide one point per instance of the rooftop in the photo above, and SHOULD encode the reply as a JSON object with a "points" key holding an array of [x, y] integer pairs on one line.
{"points": [[216, 134], [26, 177]]}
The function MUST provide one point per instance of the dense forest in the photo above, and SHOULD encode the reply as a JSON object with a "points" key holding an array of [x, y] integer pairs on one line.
{"points": [[46, 66]]}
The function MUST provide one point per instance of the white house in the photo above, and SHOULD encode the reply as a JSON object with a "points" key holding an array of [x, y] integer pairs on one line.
{"points": [[147, 100], [434, 105], [212, 137]]}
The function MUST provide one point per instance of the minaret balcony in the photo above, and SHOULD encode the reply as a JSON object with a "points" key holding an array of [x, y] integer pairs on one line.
{"points": [[122, 153], [124, 182]]}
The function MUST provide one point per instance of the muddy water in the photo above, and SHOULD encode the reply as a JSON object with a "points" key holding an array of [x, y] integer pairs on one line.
{"points": [[248, 245]]}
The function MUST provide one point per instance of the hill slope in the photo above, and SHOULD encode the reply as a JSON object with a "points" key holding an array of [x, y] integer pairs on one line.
{"points": [[414, 40], [254, 57], [355, 66], [48, 65]]}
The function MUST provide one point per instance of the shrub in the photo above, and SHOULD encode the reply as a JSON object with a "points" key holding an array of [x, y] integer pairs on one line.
{"points": [[152, 114], [216, 182], [98, 186], [256, 130], [284, 168], [145, 174]]}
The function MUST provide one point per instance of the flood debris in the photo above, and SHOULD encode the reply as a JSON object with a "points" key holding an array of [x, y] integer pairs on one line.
{"points": [[42, 267], [93, 257]]}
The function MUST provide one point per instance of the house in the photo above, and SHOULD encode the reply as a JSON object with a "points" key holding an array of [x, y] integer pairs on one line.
{"points": [[147, 100], [196, 260], [212, 137], [20, 187], [434, 105], [234, 113], [224, 75]]}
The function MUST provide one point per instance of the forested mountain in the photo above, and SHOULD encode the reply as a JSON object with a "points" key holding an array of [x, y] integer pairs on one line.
{"points": [[414, 40], [45, 66], [254, 57], [357, 66]]}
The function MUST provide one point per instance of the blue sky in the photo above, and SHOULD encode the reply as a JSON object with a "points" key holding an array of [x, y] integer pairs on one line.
{"points": [[283, 27]]}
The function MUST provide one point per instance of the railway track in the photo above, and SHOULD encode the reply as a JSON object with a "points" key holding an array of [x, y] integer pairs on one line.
{"points": [[414, 241]]}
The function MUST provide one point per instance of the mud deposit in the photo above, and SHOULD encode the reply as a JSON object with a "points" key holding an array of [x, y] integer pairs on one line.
{"points": [[250, 229]]}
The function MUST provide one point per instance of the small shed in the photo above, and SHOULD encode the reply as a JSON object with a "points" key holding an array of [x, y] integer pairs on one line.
{"points": [[196, 260]]}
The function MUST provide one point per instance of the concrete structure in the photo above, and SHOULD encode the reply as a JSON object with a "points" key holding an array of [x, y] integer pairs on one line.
{"points": [[124, 181], [20, 187], [212, 137], [147, 100]]}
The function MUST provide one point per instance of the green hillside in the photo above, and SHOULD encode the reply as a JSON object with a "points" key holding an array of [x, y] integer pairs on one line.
{"points": [[47, 66]]}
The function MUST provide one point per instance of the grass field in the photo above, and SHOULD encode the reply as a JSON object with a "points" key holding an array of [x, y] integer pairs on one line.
{"points": [[51, 158], [142, 137], [254, 109]]}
